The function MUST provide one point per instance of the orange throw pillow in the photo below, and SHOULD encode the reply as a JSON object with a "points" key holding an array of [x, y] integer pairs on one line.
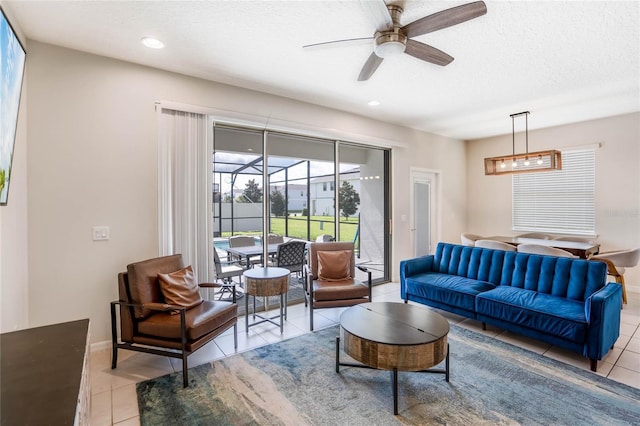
{"points": [[180, 288], [334, 265]]}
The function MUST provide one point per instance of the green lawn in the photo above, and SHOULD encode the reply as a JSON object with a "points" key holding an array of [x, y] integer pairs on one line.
{"points": [[298, 227]]}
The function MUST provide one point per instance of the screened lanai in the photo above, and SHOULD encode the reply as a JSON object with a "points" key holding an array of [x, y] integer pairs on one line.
{"points": [[306, 179]]}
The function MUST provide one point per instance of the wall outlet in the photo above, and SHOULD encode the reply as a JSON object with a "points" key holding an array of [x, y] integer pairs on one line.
{"points": [[100, 233]]}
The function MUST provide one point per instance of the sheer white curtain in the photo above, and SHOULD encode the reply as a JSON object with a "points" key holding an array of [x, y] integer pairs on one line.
{"points": [[184, 188]]}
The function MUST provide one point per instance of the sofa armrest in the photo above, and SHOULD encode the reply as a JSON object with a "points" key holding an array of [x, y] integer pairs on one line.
{"points": [[602, 310], [409, 267]]}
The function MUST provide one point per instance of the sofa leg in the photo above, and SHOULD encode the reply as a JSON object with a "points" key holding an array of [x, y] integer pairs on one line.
{"points": [[594, 364], [484, 326]]}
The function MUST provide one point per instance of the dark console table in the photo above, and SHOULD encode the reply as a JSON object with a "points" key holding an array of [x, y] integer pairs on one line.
{"points": [[44, 375]]}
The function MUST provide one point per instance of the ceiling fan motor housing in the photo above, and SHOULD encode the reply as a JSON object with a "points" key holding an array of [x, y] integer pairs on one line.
{"points": [[389, 43]]}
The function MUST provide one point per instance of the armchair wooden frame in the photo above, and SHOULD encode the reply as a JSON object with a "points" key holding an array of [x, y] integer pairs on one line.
{"points": [[180, 347]]}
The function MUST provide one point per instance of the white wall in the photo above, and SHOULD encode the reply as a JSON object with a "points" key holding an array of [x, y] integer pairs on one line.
{"points": [[617, 180], [92, 160], [14, 284]]}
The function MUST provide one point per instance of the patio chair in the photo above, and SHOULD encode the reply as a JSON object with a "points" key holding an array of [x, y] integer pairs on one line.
{"points": [[330, 278], [290, 256], [225, 272], [324, 238], [162, 312], [272, 239], [244, 241]]}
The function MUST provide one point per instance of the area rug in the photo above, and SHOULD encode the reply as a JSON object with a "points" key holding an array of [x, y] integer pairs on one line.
{"points": [[294, 382]]}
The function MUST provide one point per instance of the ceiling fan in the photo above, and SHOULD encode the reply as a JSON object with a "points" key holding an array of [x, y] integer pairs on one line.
{"points": [[391, 38]]}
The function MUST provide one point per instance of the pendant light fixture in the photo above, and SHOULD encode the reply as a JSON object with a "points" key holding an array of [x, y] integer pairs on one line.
{"points": [[539, 161]]}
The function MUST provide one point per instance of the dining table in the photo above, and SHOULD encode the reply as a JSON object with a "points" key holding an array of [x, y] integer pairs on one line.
{"points": [[581, 249], [248, 251]]}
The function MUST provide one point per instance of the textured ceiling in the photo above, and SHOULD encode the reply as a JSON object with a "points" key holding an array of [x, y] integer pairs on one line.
{"points": [[563, 61]]}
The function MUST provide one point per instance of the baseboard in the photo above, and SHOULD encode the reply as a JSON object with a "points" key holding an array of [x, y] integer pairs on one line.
{"points": [[99, 346]]}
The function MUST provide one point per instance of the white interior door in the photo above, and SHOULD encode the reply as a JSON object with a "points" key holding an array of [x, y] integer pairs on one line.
{"points": [[424, 200]]}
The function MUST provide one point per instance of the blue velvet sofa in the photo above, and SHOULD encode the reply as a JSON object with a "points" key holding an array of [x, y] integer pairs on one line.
{"points": [[562, 301]]}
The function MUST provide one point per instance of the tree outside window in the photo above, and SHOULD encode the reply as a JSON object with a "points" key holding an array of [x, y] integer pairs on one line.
{"points": [[349, 199], [277, 203], [252, 193]]}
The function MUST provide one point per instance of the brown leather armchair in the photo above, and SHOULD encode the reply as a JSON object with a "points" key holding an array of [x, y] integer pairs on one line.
{"points": [[148, 324], [321, 292]]}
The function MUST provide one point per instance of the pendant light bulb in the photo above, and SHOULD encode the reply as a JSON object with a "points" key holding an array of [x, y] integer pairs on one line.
{"points": [[502, 165], [514, 164], [539, 160], [526, 161]]}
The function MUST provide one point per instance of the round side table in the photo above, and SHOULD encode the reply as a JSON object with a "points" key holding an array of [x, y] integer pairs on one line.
{"points": [[265, 282]]}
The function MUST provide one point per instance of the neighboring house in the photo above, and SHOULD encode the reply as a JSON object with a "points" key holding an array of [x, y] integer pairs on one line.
{"points": [[296, 196], [322, 192]]}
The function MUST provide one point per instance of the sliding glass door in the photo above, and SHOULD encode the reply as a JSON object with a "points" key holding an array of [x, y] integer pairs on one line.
{"points": [[301, 181], [364, 209], [237, 182], [312, 189]]}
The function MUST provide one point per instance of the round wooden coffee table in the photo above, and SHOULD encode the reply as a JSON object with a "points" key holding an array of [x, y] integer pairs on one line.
{"points": [[395, 337]]}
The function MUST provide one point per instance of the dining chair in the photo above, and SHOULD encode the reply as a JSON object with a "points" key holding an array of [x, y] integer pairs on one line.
{"points": [[544, 250], [495, 245], [469, 239], [575, 239], [535, 235], [616, 262]]}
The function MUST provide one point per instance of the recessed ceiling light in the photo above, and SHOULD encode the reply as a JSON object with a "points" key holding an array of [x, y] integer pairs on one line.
{"points": [[153, 43], [373, 103]]}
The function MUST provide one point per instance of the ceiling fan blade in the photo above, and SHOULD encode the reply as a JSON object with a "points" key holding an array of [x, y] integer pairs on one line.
{"points": [[427, 53], [370, 67], [379, 13], [445, 18], [339, 43]]}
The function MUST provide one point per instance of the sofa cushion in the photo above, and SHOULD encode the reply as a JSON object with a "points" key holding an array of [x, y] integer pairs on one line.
{"points": [[334, 265], [449, 289], [339, 290], [180, 288], [200, 320], [561, 317]]}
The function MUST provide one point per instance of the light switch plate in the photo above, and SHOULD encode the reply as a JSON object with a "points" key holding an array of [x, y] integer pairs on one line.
{"points": [[100, 233]]}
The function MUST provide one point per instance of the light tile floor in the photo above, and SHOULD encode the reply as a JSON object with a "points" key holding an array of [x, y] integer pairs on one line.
{"points": [[114, 400]]}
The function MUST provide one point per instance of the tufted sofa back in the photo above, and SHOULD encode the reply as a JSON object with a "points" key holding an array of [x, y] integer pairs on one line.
{"points": [[575, 279]]}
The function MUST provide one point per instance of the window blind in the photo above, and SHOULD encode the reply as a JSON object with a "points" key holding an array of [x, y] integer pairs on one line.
{"points": [[560, 201]]}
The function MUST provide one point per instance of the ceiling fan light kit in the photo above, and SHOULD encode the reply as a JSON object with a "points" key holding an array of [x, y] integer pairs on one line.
{"points": [[389, 44], [392, 39], [528, 162]]}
